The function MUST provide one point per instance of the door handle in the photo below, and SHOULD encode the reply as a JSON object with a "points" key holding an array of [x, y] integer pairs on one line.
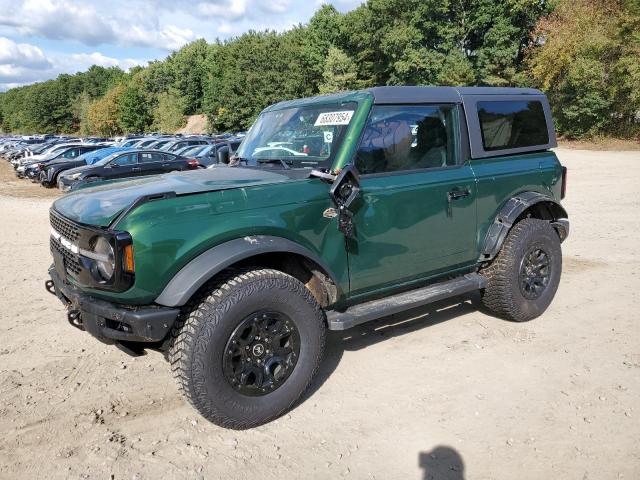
{"points": [[135, 169], [455, 194]]}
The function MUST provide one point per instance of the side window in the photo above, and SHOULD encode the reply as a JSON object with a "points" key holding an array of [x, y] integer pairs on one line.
{"points": [[150, 157], [128, 159], [512, 124], [168, 158], [407, 138], [73, 153], [234, 146]]}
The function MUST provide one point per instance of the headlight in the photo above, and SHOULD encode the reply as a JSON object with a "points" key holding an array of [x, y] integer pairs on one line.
{"points": [[105, 258], [74, 176]]}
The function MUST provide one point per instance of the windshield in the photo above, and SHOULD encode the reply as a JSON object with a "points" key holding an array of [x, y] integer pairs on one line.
{"points": [[301, 136], [193, 150], [107, 159], [96, 155]]}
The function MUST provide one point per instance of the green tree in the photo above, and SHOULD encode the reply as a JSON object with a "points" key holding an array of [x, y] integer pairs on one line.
{"points": [[587, 62], [188, 73], [340, 72], [134, 113], [80, 109], [169, 113], [103, 114]]}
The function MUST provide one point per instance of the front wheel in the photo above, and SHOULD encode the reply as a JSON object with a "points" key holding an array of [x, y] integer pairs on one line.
{"points": [[524, 277], [247, 347]]}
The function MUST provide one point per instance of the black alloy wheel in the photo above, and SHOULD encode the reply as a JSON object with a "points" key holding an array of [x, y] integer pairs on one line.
{"points": [[535, 271], [261, 353]]}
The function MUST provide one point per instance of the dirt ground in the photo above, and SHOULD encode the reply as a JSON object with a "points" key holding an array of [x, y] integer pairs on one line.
{"points": [[10, 185], [446, 392]]}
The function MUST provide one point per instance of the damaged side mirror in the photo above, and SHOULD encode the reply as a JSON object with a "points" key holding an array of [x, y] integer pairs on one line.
{"points": [[344, 192]]}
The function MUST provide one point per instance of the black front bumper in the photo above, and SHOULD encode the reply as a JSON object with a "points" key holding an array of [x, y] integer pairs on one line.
{"points": [[108, 322]]}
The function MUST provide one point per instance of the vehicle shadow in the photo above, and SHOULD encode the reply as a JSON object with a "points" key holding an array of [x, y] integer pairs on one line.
{"points": [[370, 333], [441, 463]]}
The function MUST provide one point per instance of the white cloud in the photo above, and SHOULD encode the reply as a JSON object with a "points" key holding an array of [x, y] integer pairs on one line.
{"points": [[84, 27], [22, 63], [227, 9], [275, 6], [123, 24], [21, 55], [82, 61]]}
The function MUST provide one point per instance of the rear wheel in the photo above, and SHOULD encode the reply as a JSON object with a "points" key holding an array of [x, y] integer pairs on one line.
{"points": [[524, 277], [247, 347]]}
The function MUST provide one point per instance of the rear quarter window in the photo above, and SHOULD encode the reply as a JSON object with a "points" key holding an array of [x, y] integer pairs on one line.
{"points": [[512, 124]]}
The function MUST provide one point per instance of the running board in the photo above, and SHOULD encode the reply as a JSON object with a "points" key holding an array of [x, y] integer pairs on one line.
{"points": [[383, 307]]}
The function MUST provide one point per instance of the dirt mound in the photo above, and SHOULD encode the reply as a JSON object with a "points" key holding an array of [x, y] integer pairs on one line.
{"points": [[195, 124]]}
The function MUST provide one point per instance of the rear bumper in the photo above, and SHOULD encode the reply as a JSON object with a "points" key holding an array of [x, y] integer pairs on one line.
{"points": [[108, 322]]}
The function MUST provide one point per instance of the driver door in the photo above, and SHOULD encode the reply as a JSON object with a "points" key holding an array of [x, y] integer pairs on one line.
{"points": [[124, 166], [416, 215]]}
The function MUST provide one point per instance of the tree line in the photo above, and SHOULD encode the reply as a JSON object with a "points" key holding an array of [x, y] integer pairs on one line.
{"points": [[582, 53]]}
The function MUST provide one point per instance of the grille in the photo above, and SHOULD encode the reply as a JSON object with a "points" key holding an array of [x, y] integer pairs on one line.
{"points": [[67, 229], [71, 262]]}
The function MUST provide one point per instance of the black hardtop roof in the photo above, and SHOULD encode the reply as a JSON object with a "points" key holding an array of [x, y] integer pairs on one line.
{"points": [[402, 94]]}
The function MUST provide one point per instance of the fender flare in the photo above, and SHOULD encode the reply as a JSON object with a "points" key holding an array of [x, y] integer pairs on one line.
{"points": [[206, 265], [509, 213]]}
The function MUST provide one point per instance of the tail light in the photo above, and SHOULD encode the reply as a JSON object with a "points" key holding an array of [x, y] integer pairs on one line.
{"points": [[193, 163], [563, 189]]}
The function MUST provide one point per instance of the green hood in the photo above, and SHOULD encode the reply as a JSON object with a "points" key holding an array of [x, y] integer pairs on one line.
{"points": [[100, 205]]}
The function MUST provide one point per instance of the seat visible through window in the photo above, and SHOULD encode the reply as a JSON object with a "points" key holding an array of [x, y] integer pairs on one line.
{"points": [[407, 137]]}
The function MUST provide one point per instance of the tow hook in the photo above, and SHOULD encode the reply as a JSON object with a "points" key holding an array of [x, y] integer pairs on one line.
{"points": [[50, 287], [75, 319]]}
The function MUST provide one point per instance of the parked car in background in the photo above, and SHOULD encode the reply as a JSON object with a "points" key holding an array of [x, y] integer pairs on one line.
{"points": [[33, 169], [220, 153], [45, 154], [158, 144], [49, 174], [132, 163], [176, 145]]}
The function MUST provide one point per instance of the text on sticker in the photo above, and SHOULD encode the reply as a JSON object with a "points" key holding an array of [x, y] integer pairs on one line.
{"points": [[334, 118]]}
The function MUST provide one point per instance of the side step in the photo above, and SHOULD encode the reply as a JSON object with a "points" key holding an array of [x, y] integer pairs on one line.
{"points": [[383, 307]]}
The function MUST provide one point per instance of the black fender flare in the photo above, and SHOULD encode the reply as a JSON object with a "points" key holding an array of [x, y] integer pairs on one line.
{"points": [[509, 213], [206, 265]]}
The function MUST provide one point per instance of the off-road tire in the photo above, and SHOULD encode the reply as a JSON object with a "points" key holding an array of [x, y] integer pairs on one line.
{"points": [[503, 295], [201, 333]]}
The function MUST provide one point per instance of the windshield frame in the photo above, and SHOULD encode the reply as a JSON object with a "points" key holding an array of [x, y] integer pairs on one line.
{"points": [[301, 161]]}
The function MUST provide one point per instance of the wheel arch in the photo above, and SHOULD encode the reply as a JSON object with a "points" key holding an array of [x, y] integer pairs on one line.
{"points": [[526, 204], [260, 251]]}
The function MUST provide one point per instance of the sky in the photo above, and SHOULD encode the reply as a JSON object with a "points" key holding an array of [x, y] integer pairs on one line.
{"points": [[40, 39]]}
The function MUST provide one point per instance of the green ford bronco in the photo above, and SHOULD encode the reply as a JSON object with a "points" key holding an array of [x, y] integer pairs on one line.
{"points": [[335, 210]]}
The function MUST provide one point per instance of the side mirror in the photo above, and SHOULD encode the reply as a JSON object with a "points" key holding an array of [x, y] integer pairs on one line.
{"points": [[223, 155], [344, 192]]}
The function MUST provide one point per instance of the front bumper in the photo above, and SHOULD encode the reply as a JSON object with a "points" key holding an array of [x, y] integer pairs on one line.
{"points": [[64, 184], [108, 322]]}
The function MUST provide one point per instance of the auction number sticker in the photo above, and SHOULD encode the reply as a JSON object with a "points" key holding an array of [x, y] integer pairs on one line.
{"points": [[334, 118]]}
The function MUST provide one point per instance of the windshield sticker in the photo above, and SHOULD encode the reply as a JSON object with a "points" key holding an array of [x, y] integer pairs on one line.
{"points": [[334, 118], [328, 136]]}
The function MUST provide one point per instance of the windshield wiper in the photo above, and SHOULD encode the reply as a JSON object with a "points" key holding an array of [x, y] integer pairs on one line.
{"points": [[281, 161]]}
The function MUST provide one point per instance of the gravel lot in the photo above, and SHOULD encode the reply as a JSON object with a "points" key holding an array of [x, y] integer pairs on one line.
{"points": [[446, 392]]}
